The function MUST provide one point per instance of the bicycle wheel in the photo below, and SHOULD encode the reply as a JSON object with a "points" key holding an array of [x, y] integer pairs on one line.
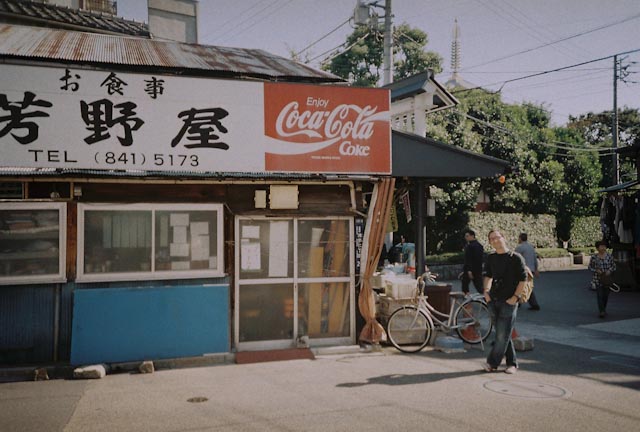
{"points": [[474, 320], [408, 329]]}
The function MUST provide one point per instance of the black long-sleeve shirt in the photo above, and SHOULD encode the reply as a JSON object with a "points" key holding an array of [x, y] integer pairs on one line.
{"points": [[473, 257]]}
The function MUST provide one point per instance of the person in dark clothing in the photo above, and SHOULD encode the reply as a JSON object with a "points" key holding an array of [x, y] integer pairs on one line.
{"points": [[504, 280], [473, 258]]}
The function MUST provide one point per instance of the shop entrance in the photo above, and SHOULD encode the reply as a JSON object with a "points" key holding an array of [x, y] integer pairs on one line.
{"points": [[294, 277]]}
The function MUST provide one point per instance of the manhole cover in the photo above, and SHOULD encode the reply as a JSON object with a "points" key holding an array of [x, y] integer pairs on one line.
{"points": [[197, 399], [527, 389]]}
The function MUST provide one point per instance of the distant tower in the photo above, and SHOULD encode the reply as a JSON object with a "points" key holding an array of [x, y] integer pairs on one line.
{"points": [[455, 51], [456, 59]]}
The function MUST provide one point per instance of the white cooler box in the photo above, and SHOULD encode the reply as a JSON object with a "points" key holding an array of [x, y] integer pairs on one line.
{"points": [[401, 287]]}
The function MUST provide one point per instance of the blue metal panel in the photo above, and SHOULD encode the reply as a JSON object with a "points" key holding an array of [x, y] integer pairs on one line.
{"points": [[137, 323], [27, 323], [66, 309]]}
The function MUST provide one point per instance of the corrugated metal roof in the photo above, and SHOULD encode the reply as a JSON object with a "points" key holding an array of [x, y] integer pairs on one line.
{"points": [[20, 9], [183, 175], [78, 47]]}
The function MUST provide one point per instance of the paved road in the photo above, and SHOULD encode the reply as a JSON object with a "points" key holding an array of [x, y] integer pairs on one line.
{"points": [[584, 374]]}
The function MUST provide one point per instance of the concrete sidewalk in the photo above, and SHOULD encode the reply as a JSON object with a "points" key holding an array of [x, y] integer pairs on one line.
{"points": [[584, 374], [557, 388]]}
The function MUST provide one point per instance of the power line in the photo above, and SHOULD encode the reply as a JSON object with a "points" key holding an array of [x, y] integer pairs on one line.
{"points": [[525, 71], [328, 59], [237, 26], [230, 20], [543, 73], [556, 41], [556, 144], [322, 37], [523, 27]]}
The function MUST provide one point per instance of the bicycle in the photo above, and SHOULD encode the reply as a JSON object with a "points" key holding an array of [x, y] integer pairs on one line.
{"points": [[410, 327]]}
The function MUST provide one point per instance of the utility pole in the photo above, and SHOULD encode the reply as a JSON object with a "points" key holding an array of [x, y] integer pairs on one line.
{"points": [[614, 126], [388, 44], [362, 16]]}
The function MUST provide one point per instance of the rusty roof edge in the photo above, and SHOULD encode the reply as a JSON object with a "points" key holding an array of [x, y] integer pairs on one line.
{"points": [[39, 43]]}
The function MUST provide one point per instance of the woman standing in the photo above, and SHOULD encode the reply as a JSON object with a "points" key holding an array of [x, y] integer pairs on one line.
{"points": [[602, 265]]}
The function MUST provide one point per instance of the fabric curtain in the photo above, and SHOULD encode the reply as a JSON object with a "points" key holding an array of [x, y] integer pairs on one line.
{"points": [[379, 209]]}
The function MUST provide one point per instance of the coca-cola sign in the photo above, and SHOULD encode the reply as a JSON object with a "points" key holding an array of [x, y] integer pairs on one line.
{"points": [[327, 129]]}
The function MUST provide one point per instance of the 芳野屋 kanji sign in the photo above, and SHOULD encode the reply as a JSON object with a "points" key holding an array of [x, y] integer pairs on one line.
{"points": [[327, 129], [88, 119]]}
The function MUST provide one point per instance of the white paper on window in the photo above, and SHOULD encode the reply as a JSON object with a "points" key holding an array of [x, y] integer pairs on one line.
{"points": [[250, 256], [164, 231], [179, 249], [199, 228], [180, 265], [199, 248], [251, 231], [278, 248], [179, 219], [180, 234]]}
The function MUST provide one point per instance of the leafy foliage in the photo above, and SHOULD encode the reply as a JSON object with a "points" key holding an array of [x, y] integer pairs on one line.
{"points": [[554, 170], [362, 63], [595, 129]]}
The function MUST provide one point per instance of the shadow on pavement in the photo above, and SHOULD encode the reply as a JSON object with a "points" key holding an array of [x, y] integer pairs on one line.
{"points": [[402, 379]]}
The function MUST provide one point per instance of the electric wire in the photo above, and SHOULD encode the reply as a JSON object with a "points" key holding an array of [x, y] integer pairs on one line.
{"points": [[505, 82], [554, 42], [238, 27], [229, 20], [524, 26], [322, 37], [335, 48]]}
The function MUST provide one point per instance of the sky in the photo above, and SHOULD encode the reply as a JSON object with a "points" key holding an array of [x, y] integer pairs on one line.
{"points": [[501, 40]]}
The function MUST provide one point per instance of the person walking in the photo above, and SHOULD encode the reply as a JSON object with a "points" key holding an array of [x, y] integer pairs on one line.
{"points": [[504, 280], [602, 265], [473, 258], [528, 252]]}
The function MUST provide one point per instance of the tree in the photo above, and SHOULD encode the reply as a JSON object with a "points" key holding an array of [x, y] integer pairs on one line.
{"points": [[595, 130], [547, 177], [362, 63]]}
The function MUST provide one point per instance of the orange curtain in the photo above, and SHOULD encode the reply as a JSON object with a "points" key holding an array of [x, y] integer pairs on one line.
{"points": [[379, 209]]}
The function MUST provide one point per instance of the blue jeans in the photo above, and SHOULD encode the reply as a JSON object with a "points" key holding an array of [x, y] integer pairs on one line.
{"points": [[503, 316], [603, 297]]}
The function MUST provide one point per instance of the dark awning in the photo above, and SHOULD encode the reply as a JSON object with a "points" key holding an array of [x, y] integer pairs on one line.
{"points": [[416, 156]]}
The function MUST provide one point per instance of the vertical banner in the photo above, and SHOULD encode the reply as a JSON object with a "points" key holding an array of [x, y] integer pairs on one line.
{"points": [[406, 205]]}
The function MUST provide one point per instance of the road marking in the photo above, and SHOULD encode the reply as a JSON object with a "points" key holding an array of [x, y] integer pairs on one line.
{"points": [[527, 389]]}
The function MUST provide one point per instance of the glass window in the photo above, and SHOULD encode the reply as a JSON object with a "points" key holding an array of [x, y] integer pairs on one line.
{"points": [[324, 309], [141, 241], [32, 242], [266, 312], [266, 249], [323, 248], [186, 240], [117, 241]]}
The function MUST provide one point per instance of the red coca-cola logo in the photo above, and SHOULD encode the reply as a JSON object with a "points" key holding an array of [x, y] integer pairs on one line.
{"points": [[336, 123], [328, 128]]}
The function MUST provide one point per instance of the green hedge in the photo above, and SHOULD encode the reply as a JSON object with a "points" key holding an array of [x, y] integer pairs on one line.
{"points": [[458, 257], [585, 232], [552, 252], [446, 258], [582, 250], [541, 229]]}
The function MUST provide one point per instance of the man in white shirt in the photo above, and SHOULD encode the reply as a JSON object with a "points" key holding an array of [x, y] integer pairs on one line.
{"points": [[528, 252]]}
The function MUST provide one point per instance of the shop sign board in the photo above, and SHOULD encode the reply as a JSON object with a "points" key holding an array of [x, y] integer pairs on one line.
{"points": [[90, 119]]}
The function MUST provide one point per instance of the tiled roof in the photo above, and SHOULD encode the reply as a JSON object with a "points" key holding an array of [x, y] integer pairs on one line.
{"points": [[44, 44], [23, 9]]}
